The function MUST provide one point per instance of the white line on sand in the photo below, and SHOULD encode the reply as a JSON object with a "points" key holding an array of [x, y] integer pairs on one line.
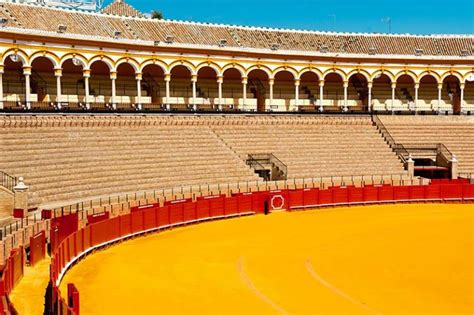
{"points": [[248, 282], [317, 277]]}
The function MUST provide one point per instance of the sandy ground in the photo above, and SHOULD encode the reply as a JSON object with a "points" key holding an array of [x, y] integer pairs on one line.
{"points": [[394, 259]]}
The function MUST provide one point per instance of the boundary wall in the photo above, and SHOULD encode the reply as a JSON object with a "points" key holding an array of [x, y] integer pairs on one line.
{"points": [[105, 231]]}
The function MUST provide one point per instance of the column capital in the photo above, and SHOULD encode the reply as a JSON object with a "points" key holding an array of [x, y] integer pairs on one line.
{"points": [[417, 85], [245, 80], [194, 78], [297, 82], [370, 84], [345, 84], [394, 85], [86, 73], [113, 75], [440, 86], [138, 76], [220, 79], [27, 70], [58, 72], [167, 77], [271, 81], [2, 69], [462, 86], [321, 83]]}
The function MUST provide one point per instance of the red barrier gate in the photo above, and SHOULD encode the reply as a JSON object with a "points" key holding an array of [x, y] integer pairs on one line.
{"points": [[37, 248]]}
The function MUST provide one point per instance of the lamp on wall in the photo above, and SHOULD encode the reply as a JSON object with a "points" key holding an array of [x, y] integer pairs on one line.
{"points": [[15, 58], [76, 62]]}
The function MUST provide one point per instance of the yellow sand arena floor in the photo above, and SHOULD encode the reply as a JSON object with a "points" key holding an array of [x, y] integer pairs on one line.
{"points": [[397, 259]]}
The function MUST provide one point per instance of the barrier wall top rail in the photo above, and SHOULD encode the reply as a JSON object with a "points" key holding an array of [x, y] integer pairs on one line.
{"points": [[176, 193]]}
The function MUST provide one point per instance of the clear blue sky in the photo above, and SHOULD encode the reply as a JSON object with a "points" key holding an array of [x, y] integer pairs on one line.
{"points": [[408, 16]]}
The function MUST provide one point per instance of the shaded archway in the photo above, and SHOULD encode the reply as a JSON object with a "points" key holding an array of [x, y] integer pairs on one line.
{"points": [[259, 89], [451, 96], [100, 85], [126, 87], [468, 104], [358, 93], [153, 85], [405, 94], [427, 94], [284, 92], [43, 84], [180, 88], [309, 91], [14, 93], [233, 90], [333, 92], [73, 84], [381, 93], [207, 90]]}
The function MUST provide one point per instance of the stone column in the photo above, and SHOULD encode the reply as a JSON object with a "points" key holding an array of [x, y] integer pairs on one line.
{"points": [[461, 98], [21, 196], [297, 93], [346, 85], [194, 78], [58, 73], [394, 86], [271, 82], [167, 83], [1, 87], [454, 168], [27, 74], [244, 93], [321, 95], [113, 78], [220, 81], [139, 77], [411, 166], [369, 96], [417, 88], [87, 74], [440, 91]]}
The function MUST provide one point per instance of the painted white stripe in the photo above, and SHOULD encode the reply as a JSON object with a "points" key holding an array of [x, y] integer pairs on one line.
{"points": [[317, 277], [248, 282]]}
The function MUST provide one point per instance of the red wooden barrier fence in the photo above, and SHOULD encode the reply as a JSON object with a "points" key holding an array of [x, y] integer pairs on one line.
{"points": [[154, 217]]}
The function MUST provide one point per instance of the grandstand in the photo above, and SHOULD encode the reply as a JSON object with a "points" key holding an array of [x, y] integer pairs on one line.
{"points": [[114, 124]]}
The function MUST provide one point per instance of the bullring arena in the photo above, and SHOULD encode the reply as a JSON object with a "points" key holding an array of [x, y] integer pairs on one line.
{"points": [[171, 167]]}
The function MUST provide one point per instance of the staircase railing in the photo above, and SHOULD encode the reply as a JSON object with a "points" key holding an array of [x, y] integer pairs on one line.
{"points": [[261, 159], [8, 181], [444, 152], [254, 163], [398, 148]]}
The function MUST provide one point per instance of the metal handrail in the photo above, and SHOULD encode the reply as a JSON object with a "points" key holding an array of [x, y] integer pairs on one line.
{"points": [[8, 181], [398, 148]]}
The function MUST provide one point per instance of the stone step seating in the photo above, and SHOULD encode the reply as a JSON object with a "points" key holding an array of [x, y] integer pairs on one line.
{"points": [[455, 132], [64, 162]]}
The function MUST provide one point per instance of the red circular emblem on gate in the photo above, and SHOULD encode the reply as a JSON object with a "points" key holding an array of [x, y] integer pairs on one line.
{"points": [[278, 202]]}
